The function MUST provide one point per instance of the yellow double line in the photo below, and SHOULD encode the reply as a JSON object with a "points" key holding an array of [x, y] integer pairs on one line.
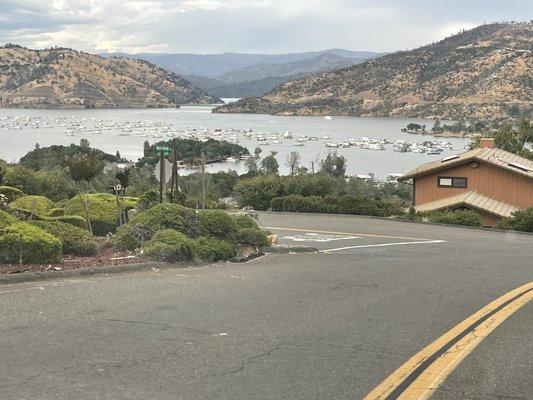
{"points": [[421, 376]]}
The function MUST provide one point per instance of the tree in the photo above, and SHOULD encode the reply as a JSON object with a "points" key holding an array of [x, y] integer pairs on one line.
{"points": [[252, 163], [436, 125], [269, 164], [146, 149], [514, 139], [293, 161], [84, 143], [333, 165]]}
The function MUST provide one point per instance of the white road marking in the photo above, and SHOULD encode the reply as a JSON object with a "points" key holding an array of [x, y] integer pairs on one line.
{"points": [[318, 238], [381, 245], [42, 286]]}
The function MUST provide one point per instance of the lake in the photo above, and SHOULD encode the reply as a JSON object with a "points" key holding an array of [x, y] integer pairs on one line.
{"points": [[20, 130]]}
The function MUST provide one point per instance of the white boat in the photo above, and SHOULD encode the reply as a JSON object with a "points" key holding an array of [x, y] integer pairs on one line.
{"points": [[328, 117]]}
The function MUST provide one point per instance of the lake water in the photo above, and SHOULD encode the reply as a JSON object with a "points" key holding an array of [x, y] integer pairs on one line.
{"points": [[17, 136]]}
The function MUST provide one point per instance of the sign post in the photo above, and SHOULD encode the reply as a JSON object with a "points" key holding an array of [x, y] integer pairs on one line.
{"points": [[163, 151]]}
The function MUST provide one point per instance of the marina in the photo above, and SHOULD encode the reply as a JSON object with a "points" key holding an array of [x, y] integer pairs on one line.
{"points": [[374, 146]]}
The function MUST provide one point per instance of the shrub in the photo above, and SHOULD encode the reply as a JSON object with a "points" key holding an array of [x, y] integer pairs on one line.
{"points": [[143, 226], [251, 236], [56, 212], [216, 224], [245, 221], [170, 245], [11, 193], [259, 191], [75, 241], [103, 210], [520, 220], [38, 246], [6, 219], [456, 217], [32, 204], [212, 249], [148, 199], [75, 220]]}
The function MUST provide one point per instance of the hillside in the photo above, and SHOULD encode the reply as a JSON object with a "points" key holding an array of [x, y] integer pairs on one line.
{"points": [[484, 73], [65, 78]]}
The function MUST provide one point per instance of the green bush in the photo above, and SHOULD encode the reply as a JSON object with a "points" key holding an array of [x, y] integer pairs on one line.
{"points": [[245, 221], [32, 204], [216, 224], [456, 217], [11, 193], [170, 245], [148, 199], [520, 220], [103, 210], [75, 220], [75, 241], [212, 249], [144, 225], [252, 236], [56, 212], [259, 191], [38, 246], [346, 204], [6, 219]]}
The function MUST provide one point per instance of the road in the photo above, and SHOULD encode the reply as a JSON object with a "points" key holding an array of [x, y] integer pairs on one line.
{"points": [[328, 325]]}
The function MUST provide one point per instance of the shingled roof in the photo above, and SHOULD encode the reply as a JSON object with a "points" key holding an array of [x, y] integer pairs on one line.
{"points": [[469, 199], [496, 157]]}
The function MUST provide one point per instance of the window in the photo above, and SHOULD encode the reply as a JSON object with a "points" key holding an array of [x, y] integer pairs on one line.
{"points": [[450, 182]]}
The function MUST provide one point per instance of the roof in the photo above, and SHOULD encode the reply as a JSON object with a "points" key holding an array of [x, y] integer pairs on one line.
{"points": [[496, 157], [470, 199]]}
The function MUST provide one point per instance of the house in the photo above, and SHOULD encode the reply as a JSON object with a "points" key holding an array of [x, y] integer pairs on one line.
{"points": [[488, 180]]}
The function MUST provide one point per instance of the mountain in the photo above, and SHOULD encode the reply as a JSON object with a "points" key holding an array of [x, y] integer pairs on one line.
{"points": [[215, 65], [258, 79], [65, 78], [483, 73], [243, 75]]}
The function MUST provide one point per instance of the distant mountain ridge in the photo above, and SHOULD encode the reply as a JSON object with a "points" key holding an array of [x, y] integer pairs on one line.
{"points": [[66, 78], [241, 75], [483, 73]]}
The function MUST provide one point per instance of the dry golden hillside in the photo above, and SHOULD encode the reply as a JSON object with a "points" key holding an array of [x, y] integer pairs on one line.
{"points": [[484, 73], [56, 78]]}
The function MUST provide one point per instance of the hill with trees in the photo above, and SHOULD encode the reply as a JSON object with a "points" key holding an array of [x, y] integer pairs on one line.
{"points": [[484, 74], [65, 78]]}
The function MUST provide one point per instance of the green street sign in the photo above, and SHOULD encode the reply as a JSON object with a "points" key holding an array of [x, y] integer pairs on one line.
{"points": [[164, 148]]}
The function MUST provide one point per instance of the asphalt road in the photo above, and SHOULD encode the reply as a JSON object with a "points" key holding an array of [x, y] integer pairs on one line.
{"points": [[331, 325]]}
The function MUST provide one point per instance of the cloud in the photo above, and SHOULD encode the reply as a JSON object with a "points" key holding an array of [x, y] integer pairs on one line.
{"points": [[203, 26]]}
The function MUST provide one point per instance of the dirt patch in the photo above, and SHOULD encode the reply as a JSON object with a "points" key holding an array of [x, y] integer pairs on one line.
{"points": [[107, 256]]}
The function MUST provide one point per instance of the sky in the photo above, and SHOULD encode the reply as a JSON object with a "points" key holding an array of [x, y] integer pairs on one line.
{"points": [[247, 26]]}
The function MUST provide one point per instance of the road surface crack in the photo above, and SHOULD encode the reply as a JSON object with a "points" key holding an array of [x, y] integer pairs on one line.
{"points": [[251, 359]]}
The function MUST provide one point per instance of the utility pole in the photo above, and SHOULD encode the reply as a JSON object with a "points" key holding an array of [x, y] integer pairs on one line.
{"points": [[175, 184], [161, 175], [202, 166]]}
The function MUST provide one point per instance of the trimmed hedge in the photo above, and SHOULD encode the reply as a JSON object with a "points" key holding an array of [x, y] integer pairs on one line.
{"points": [[346, 204], [32, 204], [170, 245], [56, 212], [456, 217], [144, 226], [103, 210], [75, 220], [216, 224], [11, 193], [245, 221], [212, 249], [252, 236], [520, 220], [76, 241], [6, 219], [38, 246]]}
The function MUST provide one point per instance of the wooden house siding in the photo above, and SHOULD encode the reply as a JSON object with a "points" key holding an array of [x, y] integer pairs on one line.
{"points": [[494, 182]]}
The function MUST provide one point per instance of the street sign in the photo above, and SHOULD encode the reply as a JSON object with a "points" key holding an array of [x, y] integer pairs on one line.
{"points": [[167, 169], [165, 149]]}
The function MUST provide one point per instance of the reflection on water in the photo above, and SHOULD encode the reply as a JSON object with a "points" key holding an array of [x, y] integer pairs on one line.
{"points": [[125, 131]]}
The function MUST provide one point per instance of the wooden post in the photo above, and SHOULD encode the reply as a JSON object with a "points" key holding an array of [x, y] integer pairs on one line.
{"points": [[161, 175], [202, 164], [175, 172]]}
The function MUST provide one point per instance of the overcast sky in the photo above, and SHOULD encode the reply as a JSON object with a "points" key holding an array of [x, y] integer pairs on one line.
{"points": [[252, 26]]}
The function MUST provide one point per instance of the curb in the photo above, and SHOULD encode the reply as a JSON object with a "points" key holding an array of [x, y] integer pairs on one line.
{"points": [[290, 249], [6, 279]]}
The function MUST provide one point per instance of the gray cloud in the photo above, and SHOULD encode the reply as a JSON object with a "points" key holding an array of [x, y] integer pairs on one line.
{"points": [[203, 26]]}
